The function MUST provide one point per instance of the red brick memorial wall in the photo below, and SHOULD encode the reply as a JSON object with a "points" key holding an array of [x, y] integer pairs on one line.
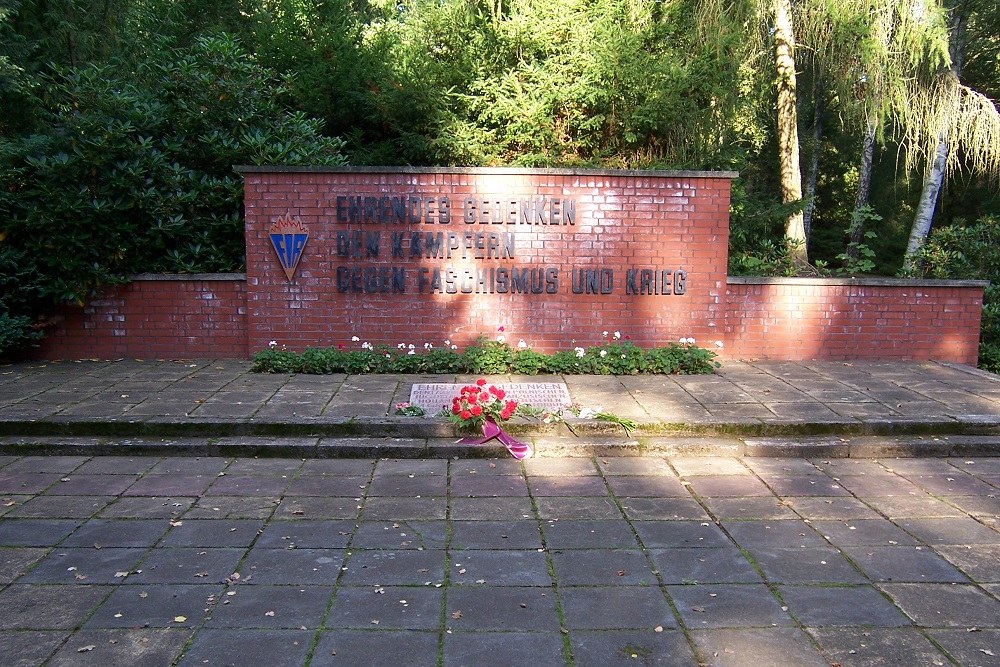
{"points": [[554, 257], [415, 256]]}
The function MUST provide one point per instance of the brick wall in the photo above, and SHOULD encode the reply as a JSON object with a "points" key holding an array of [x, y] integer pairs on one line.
{"points": [[622, 222], [163, 316], [345, 285], [801, 318]]}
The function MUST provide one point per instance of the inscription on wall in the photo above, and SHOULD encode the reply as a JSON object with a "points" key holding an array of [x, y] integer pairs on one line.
{"points": [[394, 234]]}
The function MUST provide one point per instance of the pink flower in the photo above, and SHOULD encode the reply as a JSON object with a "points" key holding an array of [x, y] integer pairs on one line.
{"points": [[481, 382]]}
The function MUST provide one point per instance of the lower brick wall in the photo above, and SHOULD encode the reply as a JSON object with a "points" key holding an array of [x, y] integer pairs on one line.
{"points": [[204, 316], [156, 317], [801, 318]]}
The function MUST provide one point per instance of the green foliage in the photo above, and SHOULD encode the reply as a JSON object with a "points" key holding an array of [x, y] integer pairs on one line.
{"points": [[970, 251], [134, 171], [492, 357]]}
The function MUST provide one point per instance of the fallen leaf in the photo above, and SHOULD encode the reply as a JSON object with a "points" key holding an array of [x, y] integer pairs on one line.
{"points": [[658, 628], [180, 619], [269, 613], [456, 614], [84, 649]]}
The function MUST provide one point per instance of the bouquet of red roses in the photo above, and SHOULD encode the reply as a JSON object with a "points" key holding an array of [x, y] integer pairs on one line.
{"points": [[477, 404]]}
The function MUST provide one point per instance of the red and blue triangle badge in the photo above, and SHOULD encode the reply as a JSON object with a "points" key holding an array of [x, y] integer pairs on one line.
{"points": [[288, 236]]}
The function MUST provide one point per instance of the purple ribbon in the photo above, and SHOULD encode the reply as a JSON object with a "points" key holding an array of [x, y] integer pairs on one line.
{"points": [[491, 430]]}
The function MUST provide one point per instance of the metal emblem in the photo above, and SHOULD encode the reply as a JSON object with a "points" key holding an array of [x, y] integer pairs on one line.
{"points": [[288, 236]]}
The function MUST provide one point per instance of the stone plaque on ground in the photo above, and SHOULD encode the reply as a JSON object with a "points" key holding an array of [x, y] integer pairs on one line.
{"points": [[549, 395]]}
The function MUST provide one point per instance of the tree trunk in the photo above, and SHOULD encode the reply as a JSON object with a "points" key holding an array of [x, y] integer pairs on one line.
{"points": [[817, 139], [788, 131], [857, 230], [934, 176]]}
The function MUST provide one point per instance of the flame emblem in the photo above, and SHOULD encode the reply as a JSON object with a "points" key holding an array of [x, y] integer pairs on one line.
{"points": [[288, 236]]}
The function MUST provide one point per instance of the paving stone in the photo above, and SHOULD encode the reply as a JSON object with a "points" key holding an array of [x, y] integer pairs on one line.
{"points": [[305, 534], [864, 532], [170, 485], [831, 508], [903, 563], [500, 568], [408, 486], [26, 482], [35, 532], [635, 465], [651, 509], [574, 467], [805, 565], [267, 467], [586, 534], [213, 533], [762, 534], [247, 485], [117, 465], [980, 562], [90, 485], [957, 530], [117, 533], [292, 566], [504, 535], [621, 607], [704, 566], [59, 465], [337, 467], [15, 561], [233, 507], [350, 486], [121, 648], [507, 609], [613, 648], [977, 506], [406, 567], [680, 534], [155, 607], [777, 647], [858, 606], [425, 467], [490, 509], [749, 508], [360, 648], [48, 607], [146, 508], [271, 607], [27, 648], [953, 483], [58, 507], [197, 465], [84, 566], [238, 648], [474, 467], [581, 486], [309, 507], [970, 649], [916, 506], [708, 465], [391, 534], [804, 485], [392, 509], [631, 486], [487, 486], [386, 608], [728, 606], [186, 565], [605, 567], [485, 649], [877, 647], [741, 486], [945, 605]]}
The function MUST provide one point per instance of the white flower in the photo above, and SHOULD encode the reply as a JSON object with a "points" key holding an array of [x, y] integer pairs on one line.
{"points": [[366, 345], [411, 352], [447, 342], [521, 344], [273, 344], [427, 346], [401, 346], [500, 339], [454, 347], [604, 353], [579, 351], [388, 356], [604, 334], [618, 334], [354, 339], [412, 346], [718, 344], [691, 341]]}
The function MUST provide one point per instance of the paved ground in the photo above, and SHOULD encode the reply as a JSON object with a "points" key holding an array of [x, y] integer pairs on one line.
{"points": [[680, 545], [764, 408], [579, 561]]}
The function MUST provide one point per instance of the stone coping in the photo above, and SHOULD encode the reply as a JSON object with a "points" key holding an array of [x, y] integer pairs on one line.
{"points": [[861, 282], [219, 277], [492, 171]]}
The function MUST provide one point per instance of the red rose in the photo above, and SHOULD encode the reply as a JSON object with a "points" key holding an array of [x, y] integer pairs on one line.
{"points": [[500, 394], [481, 382], [511, 405], [476, 410], [465, 414], [505, 415], [455, 409], [484, 397]]}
